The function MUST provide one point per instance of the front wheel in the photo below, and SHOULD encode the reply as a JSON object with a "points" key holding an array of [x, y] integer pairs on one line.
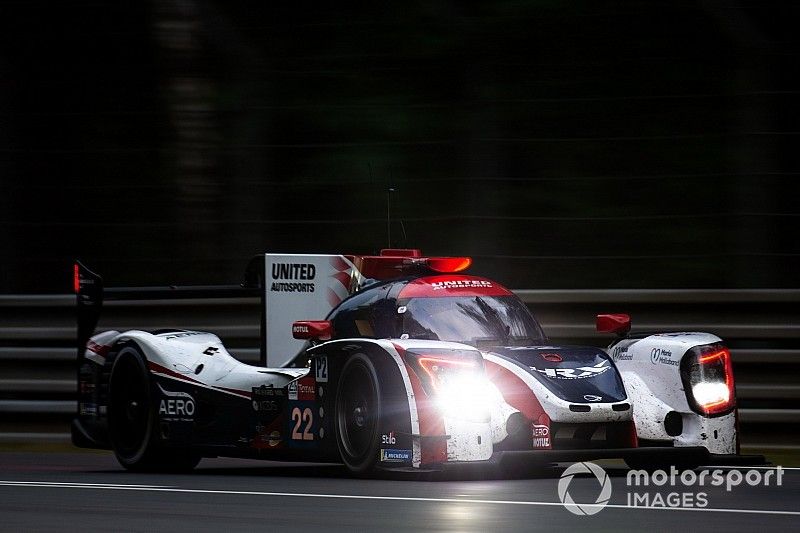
{"points": [[358, 412], [133, 421]]}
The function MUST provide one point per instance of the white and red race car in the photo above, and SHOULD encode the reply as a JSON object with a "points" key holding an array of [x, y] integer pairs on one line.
{"points": [[416, 365]]}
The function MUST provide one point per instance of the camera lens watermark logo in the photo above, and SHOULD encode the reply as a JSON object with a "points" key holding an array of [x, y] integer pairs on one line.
{"points": [[584, 509]]}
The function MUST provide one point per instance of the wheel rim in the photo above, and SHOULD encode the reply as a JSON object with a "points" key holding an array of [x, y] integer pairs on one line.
{"points": [[356, 412], [130, 407]]}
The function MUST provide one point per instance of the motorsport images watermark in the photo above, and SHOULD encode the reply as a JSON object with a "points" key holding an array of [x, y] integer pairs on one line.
{"points": [[642, 486]]}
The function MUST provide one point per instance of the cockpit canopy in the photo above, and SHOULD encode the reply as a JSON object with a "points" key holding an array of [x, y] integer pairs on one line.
{"points": [[465, 309]]}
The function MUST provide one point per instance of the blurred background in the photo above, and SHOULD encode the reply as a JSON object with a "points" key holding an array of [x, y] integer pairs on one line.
{"points": [[561, 144]]}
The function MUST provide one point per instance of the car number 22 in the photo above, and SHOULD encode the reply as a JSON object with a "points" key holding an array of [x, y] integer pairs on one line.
{"points": [[306, 416]]}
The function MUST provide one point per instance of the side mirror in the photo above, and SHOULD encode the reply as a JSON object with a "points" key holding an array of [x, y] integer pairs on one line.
{"points": [[616, 323], [315, 330]]}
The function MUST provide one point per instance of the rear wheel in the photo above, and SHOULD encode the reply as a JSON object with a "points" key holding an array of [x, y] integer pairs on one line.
{"points": [[358, 412], [133, 421]]}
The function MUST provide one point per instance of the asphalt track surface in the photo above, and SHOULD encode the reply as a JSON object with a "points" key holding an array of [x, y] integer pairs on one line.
{"points": [[90, 492]]}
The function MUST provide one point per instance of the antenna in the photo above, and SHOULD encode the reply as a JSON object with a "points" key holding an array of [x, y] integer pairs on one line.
{"points": [[389, 192], [377, 194]]}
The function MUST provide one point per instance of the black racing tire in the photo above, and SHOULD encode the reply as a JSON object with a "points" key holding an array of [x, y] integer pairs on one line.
{"points": [[358, 414], [133, 419]]}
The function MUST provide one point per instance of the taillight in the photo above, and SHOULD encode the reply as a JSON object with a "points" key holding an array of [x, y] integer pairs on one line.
{"points": [[707, 374], [454, 380], [448, 264]]}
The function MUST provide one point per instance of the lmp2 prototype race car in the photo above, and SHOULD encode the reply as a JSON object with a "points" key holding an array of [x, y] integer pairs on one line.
{"points": [[416, 366]]}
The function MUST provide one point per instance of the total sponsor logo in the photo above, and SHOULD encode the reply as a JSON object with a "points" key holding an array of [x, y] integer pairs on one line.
{"points": [[663, 356], [176, 405], [541, 437], [580, 372], [303, 389], [395, 456], [306, 388], [461, 284]]}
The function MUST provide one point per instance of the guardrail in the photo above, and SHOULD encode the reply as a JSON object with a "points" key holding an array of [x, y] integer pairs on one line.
{"points": [[762, 327]]}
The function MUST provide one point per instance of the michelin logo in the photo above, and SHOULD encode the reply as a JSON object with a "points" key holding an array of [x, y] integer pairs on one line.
{"points": [[395, 456]]}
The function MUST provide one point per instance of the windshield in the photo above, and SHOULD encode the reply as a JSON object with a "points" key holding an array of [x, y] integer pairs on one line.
{"points": [[482, 321]]}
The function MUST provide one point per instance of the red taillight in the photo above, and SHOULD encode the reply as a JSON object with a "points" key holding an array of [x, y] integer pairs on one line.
{"points": [[449, 264], [76, 278], [707, 373]]}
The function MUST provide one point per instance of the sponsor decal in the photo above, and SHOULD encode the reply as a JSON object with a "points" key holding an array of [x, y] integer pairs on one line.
{"points": [[580, 372], [541, 437], [274, 438], [663, 356], [306, 389], [292, 388], [293, 271], [461, 284], [395, 456], [303, 271], [265, 406], [177, 406], [620, 353], [211, 350], [268, 435], [388, 439], [592, 398], [267, 392], [299, 328]]}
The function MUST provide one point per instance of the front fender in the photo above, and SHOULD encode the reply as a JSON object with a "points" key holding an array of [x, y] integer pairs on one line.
{"points": [[650, 369]]}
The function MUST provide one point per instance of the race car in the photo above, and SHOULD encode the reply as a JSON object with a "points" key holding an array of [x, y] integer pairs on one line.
{"points": [[400, 362]]}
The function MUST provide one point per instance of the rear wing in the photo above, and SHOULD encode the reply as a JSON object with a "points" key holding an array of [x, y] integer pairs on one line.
{"points": [[291, 287], [90, 295]]}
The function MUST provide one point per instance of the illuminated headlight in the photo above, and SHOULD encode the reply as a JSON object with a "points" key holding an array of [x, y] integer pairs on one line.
{"points": [[465, 396], [455, 381], [707, 375]]}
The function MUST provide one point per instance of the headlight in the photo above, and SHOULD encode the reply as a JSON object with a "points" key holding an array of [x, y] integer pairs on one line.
{"points": [[454, 380], [707, 375]]}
